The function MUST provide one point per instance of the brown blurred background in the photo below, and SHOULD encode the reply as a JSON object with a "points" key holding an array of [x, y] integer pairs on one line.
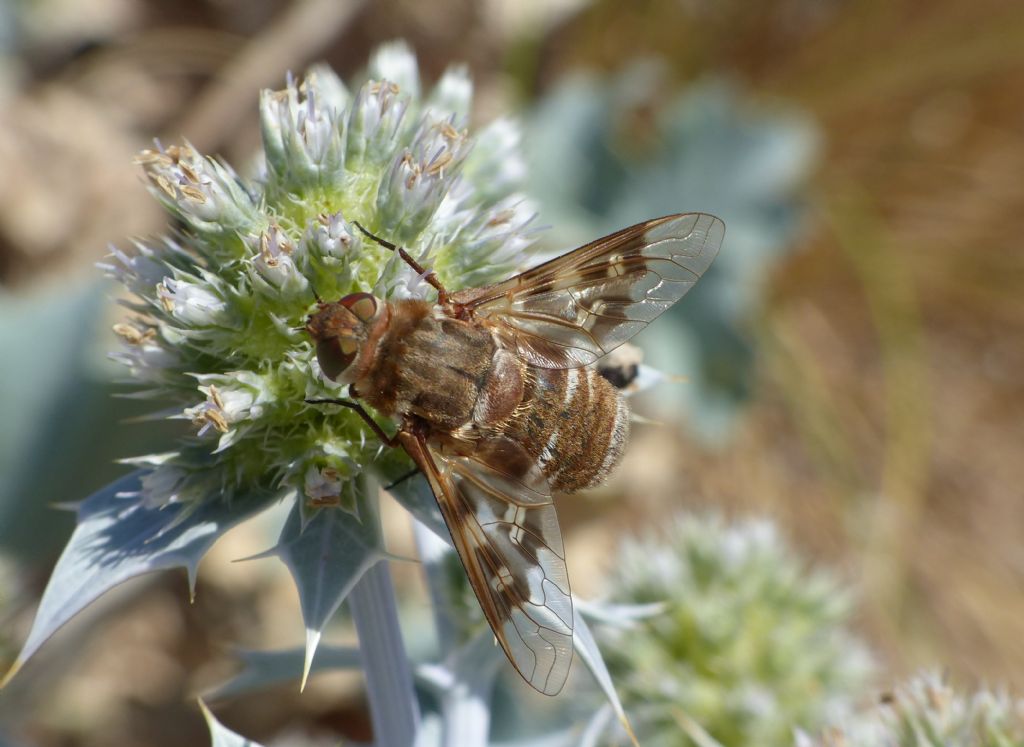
{"points": [[884, 429]]}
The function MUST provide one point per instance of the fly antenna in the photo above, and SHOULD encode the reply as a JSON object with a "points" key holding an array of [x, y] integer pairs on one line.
{"points": [[428, 275], [383, 242], [316, 295]]}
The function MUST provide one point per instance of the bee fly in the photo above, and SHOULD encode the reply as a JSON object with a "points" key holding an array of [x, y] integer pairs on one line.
{"points": [[499, 409]]}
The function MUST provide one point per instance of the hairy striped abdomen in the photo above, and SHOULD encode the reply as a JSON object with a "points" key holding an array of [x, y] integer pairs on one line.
{"points": [[574, 423]]}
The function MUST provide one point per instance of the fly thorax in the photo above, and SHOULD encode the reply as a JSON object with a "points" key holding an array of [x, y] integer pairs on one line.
{"points": [[440, 366]]}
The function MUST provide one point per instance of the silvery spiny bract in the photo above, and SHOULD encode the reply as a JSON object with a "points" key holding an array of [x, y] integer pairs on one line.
{"points": [[219, 308]]}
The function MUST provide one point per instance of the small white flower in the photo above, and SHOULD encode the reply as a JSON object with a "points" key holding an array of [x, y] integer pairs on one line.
{"points": [[134, 333], [329, 236], [398, 280], [273, 263], [420, 177], [322, 485], [231, 399], [332, 95], [375, 123], [209, 414], [453, 93], [497, 166], [190, 303], [395, 62], [142, 269], [146, 359], [502, 234]]}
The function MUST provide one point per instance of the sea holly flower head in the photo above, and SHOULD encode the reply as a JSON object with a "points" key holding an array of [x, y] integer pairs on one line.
{"points": [[215, 327], [220, 308]]}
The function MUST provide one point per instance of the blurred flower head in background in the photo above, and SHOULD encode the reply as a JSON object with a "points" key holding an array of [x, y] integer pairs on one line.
{"points": [[751, 644], [927, 712]]}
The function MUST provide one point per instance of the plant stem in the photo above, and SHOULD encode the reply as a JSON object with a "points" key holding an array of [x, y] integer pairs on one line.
{"points": [[432, 551], [394, 710], [466, 703]]}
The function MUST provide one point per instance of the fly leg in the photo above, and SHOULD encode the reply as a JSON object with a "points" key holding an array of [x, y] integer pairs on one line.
{"points": [[391, 441], [411, 473]]}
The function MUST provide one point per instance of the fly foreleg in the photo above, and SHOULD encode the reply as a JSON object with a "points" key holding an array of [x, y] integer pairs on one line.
{"points": [[391, 441]]}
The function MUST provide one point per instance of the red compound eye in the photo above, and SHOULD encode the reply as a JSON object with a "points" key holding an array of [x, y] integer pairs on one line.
{"points": [[333, 358]]}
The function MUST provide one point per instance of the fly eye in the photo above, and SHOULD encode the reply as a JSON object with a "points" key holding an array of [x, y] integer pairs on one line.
{"points": [[333, 358], [362, 305]]}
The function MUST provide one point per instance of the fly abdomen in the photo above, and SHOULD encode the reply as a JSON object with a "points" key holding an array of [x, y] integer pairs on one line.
{"points": [[502, 392], [574, 423]]}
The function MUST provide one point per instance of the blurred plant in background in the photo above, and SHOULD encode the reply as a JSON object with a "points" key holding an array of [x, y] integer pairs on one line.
{"points": [[605, 153], [927, 712], [751, 644], [65, 372]]}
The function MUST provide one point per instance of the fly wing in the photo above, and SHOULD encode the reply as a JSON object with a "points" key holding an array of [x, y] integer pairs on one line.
{"points": [[499, 510], [572, 310]]}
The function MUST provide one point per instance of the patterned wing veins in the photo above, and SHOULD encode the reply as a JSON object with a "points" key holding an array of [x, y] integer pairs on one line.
{"points": [[578, 307], [500, 513]]}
